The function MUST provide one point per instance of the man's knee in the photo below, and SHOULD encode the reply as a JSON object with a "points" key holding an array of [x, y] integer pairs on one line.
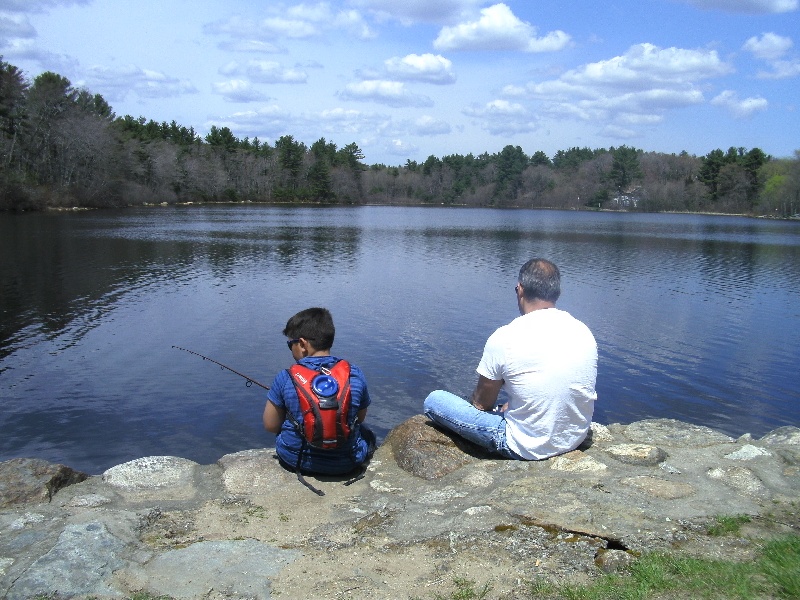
{"points": [[429, 402], [435, 402]]}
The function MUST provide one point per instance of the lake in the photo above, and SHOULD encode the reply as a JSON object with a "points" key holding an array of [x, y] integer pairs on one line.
{"points": [[696, 317]]}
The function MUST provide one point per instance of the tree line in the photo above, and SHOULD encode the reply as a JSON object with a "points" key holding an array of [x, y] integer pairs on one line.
{"points": [[62, 147]]}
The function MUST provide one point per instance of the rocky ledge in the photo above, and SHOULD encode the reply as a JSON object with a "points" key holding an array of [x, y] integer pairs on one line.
{"points": [[430, 509]]}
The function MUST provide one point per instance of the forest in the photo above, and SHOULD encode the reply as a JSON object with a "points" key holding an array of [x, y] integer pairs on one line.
{"points": [[63, 147]]}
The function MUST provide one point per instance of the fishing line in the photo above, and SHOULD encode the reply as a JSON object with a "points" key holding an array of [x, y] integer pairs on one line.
{"points": [[250, 380]]}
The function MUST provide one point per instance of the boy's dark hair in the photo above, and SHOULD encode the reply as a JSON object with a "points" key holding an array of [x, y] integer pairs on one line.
{"points": [[314, 325]]}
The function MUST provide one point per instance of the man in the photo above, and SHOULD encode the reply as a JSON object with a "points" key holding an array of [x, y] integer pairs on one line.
{"points": [[546, 361]]}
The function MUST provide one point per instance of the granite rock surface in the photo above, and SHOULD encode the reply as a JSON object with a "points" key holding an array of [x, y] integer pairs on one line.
{"points": [[430, 509]]}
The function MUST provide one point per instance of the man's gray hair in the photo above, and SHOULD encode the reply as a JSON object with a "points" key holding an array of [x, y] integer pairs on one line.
{"points": [[540, 279]]}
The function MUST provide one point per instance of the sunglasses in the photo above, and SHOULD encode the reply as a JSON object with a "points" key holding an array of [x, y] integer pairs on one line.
{"points": [[291, 343]]}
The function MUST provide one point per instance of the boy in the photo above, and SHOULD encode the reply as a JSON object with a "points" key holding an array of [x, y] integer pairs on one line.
{"points": [[348, 444]]}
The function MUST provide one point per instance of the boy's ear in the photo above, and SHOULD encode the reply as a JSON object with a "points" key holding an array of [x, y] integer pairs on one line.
{"points": [[305, 347]]}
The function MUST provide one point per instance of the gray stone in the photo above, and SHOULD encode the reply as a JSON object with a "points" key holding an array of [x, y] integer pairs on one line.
{"points": [[253, 472], [637, 454], [24, 480], [428, 508], [747, 452], [81, 562], [740, 479], [672, 433], [611, 561], [787, 436], [660, 488], [577, 462], [151, 472], [236, 569]]}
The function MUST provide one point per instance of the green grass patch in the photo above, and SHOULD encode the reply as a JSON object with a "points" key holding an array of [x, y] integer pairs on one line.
{"points": [[774, 574], [466, 590], [727, 525]]}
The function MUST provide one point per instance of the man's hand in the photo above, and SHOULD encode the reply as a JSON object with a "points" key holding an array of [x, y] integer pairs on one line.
{"points": [[486, 392]]}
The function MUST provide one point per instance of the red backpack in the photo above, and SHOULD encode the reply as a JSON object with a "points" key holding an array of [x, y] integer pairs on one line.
{"points": [[325, 401]]}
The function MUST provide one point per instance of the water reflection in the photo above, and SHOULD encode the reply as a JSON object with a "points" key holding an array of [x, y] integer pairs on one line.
{"points": [[696, 316]]}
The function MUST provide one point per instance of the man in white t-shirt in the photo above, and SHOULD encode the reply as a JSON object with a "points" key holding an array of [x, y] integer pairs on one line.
{"points": [[546, 361]]}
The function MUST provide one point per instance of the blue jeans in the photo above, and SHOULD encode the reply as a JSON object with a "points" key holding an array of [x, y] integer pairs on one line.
{"points": [[486, 429]]}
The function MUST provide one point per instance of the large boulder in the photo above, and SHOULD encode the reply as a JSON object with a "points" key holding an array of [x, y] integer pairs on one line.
{"points": [[24, 480], [424, 450]]}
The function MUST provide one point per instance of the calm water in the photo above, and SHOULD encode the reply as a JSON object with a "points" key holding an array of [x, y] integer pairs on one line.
{"points": [[697, 317]]}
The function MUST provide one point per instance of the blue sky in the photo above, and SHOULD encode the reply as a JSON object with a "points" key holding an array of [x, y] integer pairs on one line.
{"points": [[413, 78]]}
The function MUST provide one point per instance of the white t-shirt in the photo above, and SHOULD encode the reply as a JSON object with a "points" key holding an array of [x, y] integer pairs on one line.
{"points": [[548, 360]]}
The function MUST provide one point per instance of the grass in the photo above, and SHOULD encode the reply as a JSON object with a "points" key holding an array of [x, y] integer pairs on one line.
{"points": [[775, 574], [727, 525]]}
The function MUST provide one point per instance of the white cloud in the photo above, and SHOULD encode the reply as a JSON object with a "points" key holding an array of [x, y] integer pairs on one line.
{"points": [[427, 125], [498, 29], [627, 92], [644, 66], [15, 26], [302, 21], [393, 93], [289, 28], [272, 72], [397, 147], [145, 83], [338, 121], [238, 90], [426, 67], [501, 117], [419, 11], [740, 109], [782, 69], [769, 46], [497, 107], [268, 122], [616, 132], [748, 6], [257, 46], [34, 6], [353, 22]]}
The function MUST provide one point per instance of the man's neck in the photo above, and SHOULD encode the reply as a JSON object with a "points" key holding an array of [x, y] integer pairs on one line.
{"points": [[529, 307]]}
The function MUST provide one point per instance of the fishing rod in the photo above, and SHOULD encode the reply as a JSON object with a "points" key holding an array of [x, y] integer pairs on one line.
{"points": [[250, 380]]}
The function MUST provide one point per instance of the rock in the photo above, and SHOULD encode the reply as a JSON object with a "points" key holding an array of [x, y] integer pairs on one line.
{"points": [[740, 479], [253, 472], [610, 561], [577, 462], [237, 569], [24, 480], [151, 472], [430, 509], [600, 434], [747, 452], [81, 562], [670, 433], [426, 451], [637, 454], [788, 436], [165, 476], [660, 488]]}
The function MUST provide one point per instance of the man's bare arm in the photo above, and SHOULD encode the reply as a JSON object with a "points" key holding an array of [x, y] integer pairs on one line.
{"points": [[486, 392]]}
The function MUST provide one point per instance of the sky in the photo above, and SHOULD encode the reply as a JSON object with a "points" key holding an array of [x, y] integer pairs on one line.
{"points": [[406, 79]]}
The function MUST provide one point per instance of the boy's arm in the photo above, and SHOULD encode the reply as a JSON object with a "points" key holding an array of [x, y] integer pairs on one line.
{"points": [[361, 415], [273, 417]]}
